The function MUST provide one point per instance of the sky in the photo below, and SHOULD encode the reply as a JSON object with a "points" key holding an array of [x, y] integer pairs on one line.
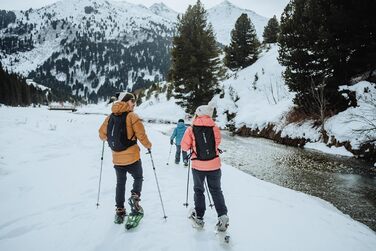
{"points": [[266, 8]]}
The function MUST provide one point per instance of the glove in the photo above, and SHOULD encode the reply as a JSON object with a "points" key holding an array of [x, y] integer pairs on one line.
{"points": [[149, 150], [171, 142]]}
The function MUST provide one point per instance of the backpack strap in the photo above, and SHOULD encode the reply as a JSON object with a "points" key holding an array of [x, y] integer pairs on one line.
{"points": [[132, 126]]}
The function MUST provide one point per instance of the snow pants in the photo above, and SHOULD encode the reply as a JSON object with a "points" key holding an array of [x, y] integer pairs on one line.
{"points": [[177, 154], [214, 183], [135, 169]]}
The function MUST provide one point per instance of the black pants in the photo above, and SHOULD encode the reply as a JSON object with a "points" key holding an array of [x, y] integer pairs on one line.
{"points": [[135, 169], [214, 183], [177, 154]]}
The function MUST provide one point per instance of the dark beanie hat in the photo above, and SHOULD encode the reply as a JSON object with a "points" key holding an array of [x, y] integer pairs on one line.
{"points": [[181, 120]]}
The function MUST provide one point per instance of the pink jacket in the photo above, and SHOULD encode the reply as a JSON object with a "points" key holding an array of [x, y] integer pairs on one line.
{"points": [[188, 142]]}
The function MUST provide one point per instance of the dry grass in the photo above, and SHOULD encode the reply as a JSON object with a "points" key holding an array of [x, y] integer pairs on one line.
{"points": [[296, 115]]}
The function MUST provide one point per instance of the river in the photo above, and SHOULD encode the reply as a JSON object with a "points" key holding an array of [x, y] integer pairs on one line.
{"points": [[348, 183]]}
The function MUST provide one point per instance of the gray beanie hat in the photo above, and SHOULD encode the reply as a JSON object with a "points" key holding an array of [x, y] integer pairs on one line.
{"points": [[203, 110]]}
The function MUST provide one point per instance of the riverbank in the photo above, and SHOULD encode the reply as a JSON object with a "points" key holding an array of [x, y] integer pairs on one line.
{"points": [[347, 183], [365, 151], [255, 101]]}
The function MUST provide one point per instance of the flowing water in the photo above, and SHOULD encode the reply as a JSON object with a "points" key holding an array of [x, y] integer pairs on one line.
{"points": [[348, 183]]}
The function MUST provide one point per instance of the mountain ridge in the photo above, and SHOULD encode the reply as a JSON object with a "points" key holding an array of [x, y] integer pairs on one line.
{"points": [[94, 47]]}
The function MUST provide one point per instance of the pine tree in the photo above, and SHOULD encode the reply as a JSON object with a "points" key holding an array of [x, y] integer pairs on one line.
{"points": [[244, 47], [326, 42], [350, 37], [15, 91], [271, 31], [195, 68], [298, 34]]}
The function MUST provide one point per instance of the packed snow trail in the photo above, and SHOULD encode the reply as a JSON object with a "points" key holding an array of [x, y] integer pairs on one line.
{"points": [[49, 171]]}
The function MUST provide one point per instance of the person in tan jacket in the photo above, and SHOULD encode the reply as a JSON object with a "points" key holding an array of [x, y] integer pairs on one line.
{"points": [[128, 160]]}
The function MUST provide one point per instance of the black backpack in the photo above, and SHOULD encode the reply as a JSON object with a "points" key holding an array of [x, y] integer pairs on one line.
{"points": [[205, 142], [117, 137]]}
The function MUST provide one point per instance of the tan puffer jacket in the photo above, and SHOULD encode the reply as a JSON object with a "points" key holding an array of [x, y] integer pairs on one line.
{"points": [[135, 130]]}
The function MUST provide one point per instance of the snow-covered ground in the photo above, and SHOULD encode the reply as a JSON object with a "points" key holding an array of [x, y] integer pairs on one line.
{"points": [[161, 109], [49, 172], [355, 124], [36, 85], [259, 96], [331, 150]]}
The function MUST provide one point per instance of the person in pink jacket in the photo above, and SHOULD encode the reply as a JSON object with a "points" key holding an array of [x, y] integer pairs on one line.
{"points": [[202, 139]]}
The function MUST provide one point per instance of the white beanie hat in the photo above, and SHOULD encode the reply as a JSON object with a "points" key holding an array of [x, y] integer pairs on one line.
{"points": [[125, 96], [203, 110]]}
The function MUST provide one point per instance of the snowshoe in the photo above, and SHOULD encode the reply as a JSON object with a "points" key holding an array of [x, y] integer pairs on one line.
{"points": [[137, 212], [223, 223], [197, 222], [119, 215], [134, 219]]}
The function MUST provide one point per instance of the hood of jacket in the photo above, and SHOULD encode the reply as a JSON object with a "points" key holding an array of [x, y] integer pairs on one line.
{"points": [[120, 107], [203, 121], [181, 125]]}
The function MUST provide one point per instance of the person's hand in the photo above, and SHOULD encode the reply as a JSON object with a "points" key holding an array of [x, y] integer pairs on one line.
{"points": [[171, 142], [149, 150]]}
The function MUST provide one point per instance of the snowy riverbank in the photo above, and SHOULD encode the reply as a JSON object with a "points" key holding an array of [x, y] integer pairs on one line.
{"points": [[49, 170], [255, 101]]}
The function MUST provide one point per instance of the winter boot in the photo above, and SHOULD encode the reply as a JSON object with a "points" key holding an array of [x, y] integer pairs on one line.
{"points": [[222, 224], [134, 202], [119, 215], [198, 222]]}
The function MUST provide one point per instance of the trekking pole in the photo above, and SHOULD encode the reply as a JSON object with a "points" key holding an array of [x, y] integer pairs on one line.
{"points": [[156, 180], [189, 167], [207, 191], [168, 160], [100, 176], [221, 151]]}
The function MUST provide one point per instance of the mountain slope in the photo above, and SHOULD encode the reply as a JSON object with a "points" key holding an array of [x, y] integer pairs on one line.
{"points": [[88, 45], [162, 10], [257, 94], [223, 17], [93, 48]]}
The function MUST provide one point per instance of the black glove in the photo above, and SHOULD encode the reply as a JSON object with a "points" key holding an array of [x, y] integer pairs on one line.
{"points": [[172, 142], [149, 150]]}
